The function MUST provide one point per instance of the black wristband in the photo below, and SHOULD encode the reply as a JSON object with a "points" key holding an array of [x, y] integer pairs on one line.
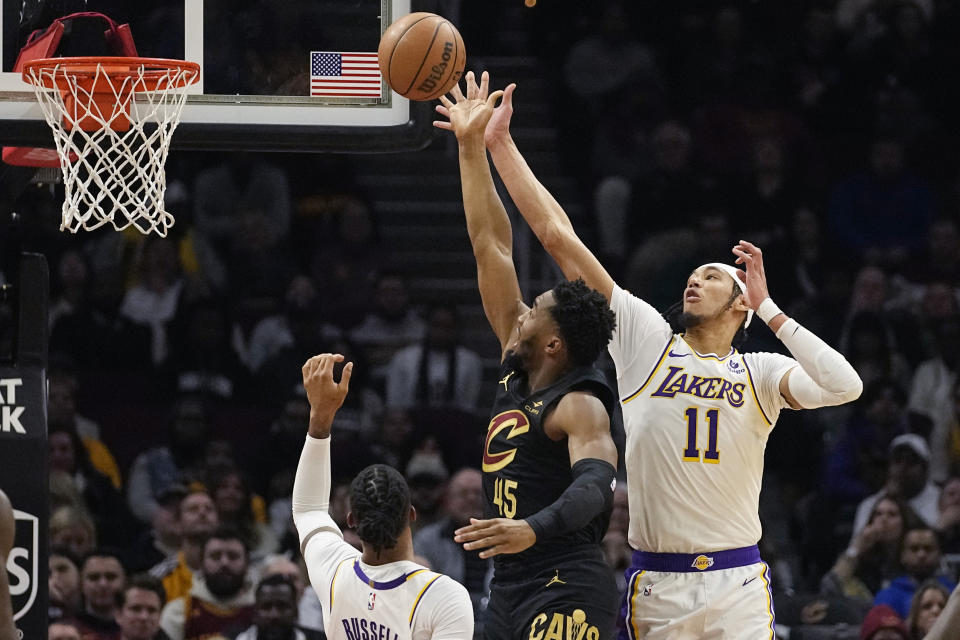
{"points": [[589, 495]]}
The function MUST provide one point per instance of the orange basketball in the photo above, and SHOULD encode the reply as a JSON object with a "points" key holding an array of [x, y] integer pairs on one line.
{"points": [[421, 56]]}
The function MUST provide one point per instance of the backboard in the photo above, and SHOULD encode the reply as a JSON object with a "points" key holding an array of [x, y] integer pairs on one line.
{"points": [[274, 73]]}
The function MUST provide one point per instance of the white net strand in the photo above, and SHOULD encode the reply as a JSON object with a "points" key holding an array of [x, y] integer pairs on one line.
{"points": [[115, 172]]}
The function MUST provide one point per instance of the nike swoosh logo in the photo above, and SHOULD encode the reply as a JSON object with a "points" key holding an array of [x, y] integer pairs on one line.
{"points": [[746, 582], [677, 355]]}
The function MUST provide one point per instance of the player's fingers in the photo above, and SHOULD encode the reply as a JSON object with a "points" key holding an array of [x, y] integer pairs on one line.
{"points": [[508, 95], [441, 109], [457, 93], [482, 543], [443, 124], [492, 100], [469, 534], [311, 365], [492, 551], [345, 378], [446, 104], [484, 85], [326, 366], [741, 276], [472, 88]]}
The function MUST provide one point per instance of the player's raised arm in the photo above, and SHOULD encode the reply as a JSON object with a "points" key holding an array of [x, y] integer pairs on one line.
{"points": [[538, 207], [824, 378], [487, 223], [311, 485]]}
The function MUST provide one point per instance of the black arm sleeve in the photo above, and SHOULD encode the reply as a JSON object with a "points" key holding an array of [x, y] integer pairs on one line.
{"points": [[589, 495]]}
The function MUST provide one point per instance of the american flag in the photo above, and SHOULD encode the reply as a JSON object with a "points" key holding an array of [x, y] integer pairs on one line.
{"points": [[344, 74]]}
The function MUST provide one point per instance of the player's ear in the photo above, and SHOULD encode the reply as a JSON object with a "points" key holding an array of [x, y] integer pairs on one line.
{"points": [[554, 345], [350, 521], [740, 304], [413, 514]]}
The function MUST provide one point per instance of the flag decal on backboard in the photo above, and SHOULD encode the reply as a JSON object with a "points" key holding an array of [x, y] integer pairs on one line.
{"points": [[345, 74]]}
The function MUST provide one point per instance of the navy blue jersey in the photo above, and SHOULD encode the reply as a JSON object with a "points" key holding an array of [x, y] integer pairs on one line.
{"points": [[523, 469]]}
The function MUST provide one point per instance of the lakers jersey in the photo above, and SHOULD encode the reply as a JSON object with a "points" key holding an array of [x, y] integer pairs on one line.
{"points": [[395, 601], [524, 470], [696, 427]]}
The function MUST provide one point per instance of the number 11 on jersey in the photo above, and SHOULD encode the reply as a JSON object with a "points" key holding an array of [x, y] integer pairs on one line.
{"points": [[504, 496], [691, 453]]}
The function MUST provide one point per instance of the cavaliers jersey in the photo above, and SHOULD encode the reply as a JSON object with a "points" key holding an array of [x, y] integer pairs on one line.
{"points": [[524, 470], [696, 426], [395, 601]]}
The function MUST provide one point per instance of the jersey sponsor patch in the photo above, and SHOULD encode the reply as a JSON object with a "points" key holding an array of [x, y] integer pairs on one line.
{"points": [[736, 367]]}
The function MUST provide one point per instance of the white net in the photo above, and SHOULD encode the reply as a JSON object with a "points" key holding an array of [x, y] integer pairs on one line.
{"points": [[112, 123]]}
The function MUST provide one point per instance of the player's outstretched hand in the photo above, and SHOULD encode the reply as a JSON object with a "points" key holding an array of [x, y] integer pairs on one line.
{"points": [[495, 536], [7, 526], [755, 281], [469, 115], [325, 395], [498, 129]]}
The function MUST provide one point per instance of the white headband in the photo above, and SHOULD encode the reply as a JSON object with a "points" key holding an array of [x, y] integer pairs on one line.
{"points": [[732, 272]]}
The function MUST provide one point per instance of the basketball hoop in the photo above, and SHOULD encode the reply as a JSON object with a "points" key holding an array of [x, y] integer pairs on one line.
{"points": [[112, 120]]}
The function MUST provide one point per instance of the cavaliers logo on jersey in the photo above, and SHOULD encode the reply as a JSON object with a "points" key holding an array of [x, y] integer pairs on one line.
{"points": [[517, 423]]}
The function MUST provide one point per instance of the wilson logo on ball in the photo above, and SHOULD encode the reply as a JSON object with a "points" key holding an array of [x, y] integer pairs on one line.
{"points": [[421, 56]]}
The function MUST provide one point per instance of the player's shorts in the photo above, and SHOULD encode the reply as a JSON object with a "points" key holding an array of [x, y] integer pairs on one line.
{"points": [[723, 594], [568, 596]]}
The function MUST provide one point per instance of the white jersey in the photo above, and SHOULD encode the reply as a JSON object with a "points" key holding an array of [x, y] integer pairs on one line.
{"points": [[696, 428], [396, 601]]}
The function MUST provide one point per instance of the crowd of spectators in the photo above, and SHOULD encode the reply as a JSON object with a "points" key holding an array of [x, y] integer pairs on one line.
{"points": [[820, 130]]}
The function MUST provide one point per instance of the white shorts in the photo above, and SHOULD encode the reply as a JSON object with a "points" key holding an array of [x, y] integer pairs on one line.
{"points": [[697, 604]]}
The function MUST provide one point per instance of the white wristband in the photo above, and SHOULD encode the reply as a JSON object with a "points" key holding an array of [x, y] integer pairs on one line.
{"points": [[768, 310]]}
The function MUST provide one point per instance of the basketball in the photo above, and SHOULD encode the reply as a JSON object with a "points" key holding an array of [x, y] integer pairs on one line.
{"points": [[421, 56]]}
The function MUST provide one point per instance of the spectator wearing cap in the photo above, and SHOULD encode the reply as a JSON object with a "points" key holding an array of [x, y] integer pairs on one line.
{"points": [[162, 540], [196, 519], [920, 558], [427, 476], [908, 479], [883, 623], [463, 500]]}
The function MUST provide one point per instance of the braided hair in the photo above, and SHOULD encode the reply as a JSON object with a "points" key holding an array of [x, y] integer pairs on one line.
{"points": [[674, 316], [380, 503]]}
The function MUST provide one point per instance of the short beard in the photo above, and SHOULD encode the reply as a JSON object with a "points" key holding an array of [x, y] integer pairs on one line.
{"points": [[224, 584], [514, 361], [687, 320]]}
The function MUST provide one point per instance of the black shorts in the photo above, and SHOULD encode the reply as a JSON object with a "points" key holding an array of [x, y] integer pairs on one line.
{"points": [[569, 596]]}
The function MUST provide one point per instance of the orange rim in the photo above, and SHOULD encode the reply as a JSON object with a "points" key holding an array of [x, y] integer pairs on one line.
{"points": [[118, 67]]}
